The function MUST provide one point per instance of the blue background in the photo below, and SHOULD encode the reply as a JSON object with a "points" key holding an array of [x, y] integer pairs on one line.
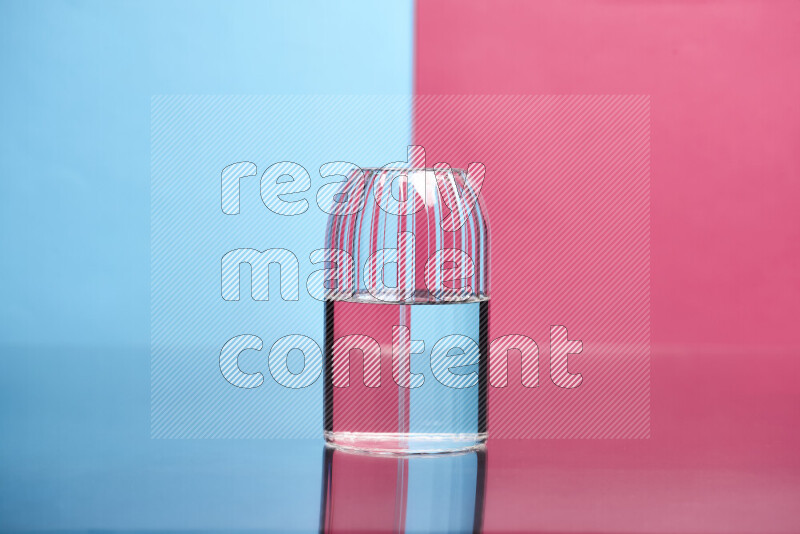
{"points": [[75, 451], [193, 139]]}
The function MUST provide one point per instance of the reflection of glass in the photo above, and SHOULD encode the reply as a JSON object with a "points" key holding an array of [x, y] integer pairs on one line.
{"points": [[407, 319], [413, 493]]}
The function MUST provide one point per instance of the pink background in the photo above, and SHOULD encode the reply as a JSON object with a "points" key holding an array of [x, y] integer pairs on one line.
{"points": [[723, 82], [568, 196]]}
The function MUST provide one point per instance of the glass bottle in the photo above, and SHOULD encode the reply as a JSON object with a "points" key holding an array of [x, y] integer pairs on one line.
{"points": [[407, 311]]}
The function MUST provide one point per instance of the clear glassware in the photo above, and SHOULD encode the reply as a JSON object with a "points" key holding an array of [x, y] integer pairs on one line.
{"points": [[407, 311], [403, 493]]}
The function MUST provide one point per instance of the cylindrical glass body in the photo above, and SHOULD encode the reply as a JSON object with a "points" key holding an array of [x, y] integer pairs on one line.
{"points": [[403, 493], [407, 312]]}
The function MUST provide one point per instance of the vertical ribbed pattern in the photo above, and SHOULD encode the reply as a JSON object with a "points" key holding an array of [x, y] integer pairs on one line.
{"points": [[419, 220]]}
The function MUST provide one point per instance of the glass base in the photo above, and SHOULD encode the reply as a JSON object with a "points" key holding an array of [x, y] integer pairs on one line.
{"points": [[386, 443]]}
